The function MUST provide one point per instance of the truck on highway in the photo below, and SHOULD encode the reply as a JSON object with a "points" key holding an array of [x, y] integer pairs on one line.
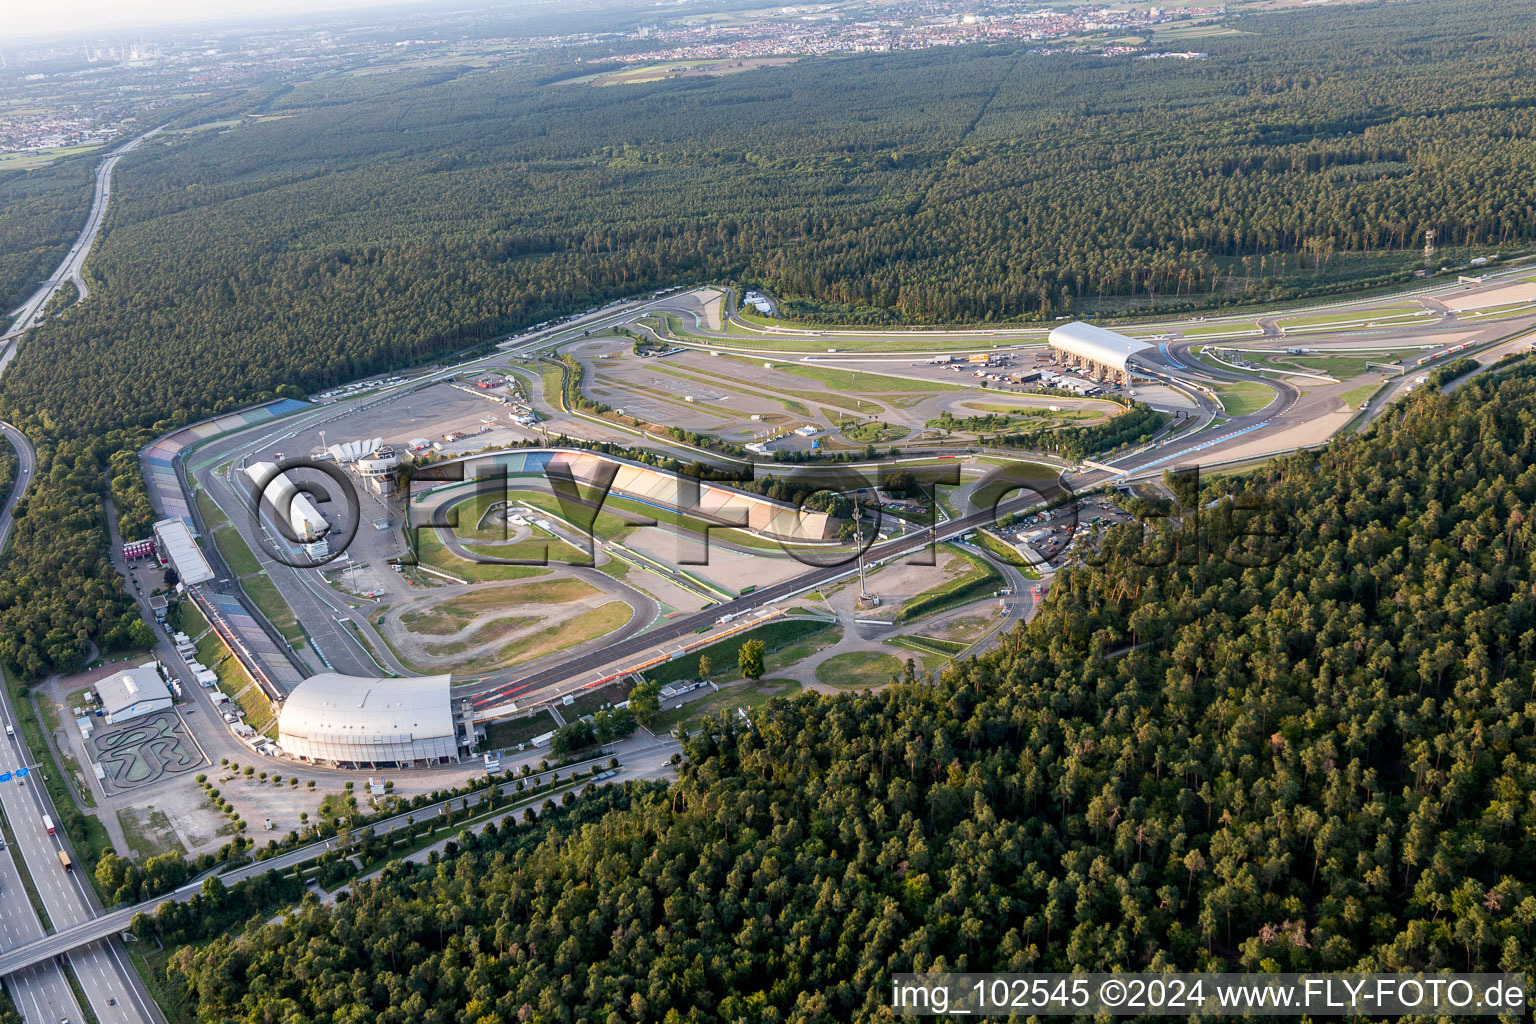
{"points": [[64, 859], [48, 824]]}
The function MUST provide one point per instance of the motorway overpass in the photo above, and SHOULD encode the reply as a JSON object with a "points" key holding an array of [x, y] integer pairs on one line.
{"points": [[111, 924]]}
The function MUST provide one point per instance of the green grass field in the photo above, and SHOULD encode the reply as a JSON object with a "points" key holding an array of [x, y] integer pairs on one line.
{"points": [[237, 553], [858, 670], [858, 383], [40, 158], [767, 341], [748, 697], [502, 733], [1005, 551], [242, 562], [872, 431], [431, 551], [264, 594], [589, 625], [1242, 398], [782, 634], [1221, 330], [1184, 33], [149, 832], [606, 526], [1340, 366], [234, 681], [1354, 396], [1003, 408]]}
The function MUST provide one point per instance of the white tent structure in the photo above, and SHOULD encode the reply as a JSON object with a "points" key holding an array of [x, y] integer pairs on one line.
{"points": [[351, 451], [341, 719], [1104, 352]]}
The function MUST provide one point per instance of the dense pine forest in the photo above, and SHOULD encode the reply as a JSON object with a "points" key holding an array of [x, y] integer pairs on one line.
{"points": [[377, 220], [1312, 755], [358, 223], [41, 212], [353, 224]]}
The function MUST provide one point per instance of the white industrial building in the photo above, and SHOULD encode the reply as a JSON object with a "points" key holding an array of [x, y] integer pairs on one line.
{"points": [[285, 501], [1104, 353], [174, 542], [359, 720], [133, 694]]}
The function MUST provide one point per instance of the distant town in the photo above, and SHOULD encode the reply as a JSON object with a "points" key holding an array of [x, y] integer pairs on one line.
{"points": [[113, 83], [824, 29]]}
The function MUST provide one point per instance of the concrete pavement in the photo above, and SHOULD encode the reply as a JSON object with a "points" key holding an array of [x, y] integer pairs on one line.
{"points": [[642, 756], [110, 983]]}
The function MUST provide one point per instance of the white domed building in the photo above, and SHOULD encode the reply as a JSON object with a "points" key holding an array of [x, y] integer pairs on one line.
{"points": [[355, 721]]}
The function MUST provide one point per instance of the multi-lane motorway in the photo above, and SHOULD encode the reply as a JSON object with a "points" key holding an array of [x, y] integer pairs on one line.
{"points": [[70, 269], [643, 758], [42, 992]]}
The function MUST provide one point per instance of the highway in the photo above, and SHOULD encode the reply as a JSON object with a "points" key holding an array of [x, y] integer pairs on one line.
{"points": [[70, 269], [110, 982], [42, 993], [642, 756]]}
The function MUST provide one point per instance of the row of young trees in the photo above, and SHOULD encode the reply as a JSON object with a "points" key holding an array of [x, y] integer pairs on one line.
{"points": [[1136, 425], [1310, 754]]}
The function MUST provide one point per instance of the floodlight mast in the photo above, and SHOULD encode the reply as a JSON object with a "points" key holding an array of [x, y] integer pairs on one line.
{"points": [[858, 538]]}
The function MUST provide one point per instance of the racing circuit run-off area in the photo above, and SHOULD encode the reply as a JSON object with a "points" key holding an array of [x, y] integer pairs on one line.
{"points": [[640, 512]]}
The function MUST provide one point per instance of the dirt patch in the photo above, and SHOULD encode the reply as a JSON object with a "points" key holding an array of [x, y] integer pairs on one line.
{"points": [[482, 628], [490, 632], [896, 583], [589, 625], [448, 615]]}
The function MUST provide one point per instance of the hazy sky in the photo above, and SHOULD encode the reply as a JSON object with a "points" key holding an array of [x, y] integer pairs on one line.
{"points": [[71, 16]]}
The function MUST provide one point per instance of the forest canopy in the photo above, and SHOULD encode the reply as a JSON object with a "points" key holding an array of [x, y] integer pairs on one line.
{"points": [[1323, 760], [372, 222]]}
